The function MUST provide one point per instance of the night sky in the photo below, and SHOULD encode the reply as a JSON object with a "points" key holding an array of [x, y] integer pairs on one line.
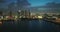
{"points": [[33, 2], [41, 2]]}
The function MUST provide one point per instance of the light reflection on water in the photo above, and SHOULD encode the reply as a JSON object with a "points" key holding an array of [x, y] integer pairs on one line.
{"points": [[32, 26]]}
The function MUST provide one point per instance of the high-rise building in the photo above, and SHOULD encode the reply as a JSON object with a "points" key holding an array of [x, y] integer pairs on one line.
{"points": [[22, 5]]}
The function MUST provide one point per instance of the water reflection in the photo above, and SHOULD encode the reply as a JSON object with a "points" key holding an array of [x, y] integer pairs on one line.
{"points": [[30, 26]]}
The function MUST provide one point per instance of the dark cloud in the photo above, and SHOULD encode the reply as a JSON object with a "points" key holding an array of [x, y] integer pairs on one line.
{"points": [[53, 4]]}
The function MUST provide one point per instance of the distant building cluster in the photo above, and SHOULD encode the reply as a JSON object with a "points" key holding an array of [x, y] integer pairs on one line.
{"points": [[21, 8], [48, 8]]}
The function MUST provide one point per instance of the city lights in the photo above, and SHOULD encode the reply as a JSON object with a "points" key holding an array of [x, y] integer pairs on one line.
{"points": [[1, 17], [40, 17], [30, 15]]}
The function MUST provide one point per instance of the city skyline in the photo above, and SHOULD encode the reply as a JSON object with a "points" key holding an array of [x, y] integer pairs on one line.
{"points": [[36, 4]]}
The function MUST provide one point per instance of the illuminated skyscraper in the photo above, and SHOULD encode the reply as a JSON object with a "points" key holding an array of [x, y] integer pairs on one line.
{"points": [[22, 5]]}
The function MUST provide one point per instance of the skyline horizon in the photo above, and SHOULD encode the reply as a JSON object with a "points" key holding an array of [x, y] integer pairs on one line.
{"points": [[33, 3]]}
